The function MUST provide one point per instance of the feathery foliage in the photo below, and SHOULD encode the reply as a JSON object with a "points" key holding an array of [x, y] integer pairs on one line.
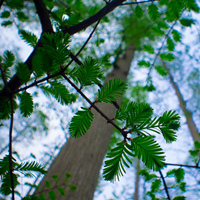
{"points": [[81, 122], [29, 37], [111, 91]]}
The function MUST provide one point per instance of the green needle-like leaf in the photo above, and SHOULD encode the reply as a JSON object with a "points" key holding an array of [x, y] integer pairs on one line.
{"points": [[152, 155], [112, 91], [117, 159], [81, 122], [29, 38]]}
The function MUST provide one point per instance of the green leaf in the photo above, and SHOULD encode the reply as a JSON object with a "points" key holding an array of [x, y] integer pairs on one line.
{"points": [[178, 173], [144, 63], [90, 73], [23, 72], [6, 23], [197, 144], [149, 49], [169, 122], [187, 22], [21, 16], [28, 37], [192, 5], [155, 185], [59, 92], [47, 184], [61, 191], [147, 175], [42, 197], [31, 166], [153, 12], [81, 122], [8, 59], [52, 195], [157, 31], [176, 36], [179, 198], [112, 91], [26, 104], [182, 186], [138, 12], [170, 44], [167, 56], [72, 187], [5, 14], [148, 149], [161, 70], [55, 177], [117, 159]]}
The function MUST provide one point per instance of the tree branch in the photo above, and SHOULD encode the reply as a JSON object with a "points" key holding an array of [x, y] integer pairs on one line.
{"points": [[180, 165], [10, 148], [44, 16], [3, 75], [165, 185]]}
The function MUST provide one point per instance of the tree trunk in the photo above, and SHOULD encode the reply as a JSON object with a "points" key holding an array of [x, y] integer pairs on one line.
{"points": [[82, 157], [187, 113], [136, 193]]}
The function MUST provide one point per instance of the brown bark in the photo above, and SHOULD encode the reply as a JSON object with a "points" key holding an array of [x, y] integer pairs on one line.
{"points": [[83, 157], [187, 113]]}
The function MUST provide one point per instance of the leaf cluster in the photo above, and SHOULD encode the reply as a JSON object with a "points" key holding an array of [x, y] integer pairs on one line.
{"points": [[25, 168]]}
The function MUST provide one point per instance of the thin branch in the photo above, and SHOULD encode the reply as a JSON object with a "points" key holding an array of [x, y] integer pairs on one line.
{"points": [[124, 133], [3, 74], [138, 2], [44, 16], [180, 165], [1, 3], [165, 185], [10, 147]]}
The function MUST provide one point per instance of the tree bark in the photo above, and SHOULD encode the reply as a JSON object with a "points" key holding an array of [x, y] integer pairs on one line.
{"points": [[83, 157], [136, 193], [187, 113]]}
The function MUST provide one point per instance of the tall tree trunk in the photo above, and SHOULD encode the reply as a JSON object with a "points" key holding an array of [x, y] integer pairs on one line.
{"points": [[83, 157], [187, 113], [136, 193]]}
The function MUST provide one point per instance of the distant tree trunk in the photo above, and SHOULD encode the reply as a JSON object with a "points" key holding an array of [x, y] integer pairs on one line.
{"points": [[136, 193], [83, 157], [187, 113]]}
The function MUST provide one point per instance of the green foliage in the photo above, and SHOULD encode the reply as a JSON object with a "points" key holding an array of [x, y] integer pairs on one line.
{"points": [[111, 91], [26, 104], [176, 36], [23, 72], [179, 198], [148, 149], [28, 37], [88, 74], [55, 48], [81, 122], [144, 63], [161, 70], [138, 11], [167, 56], [170, 44], [118, 157], [149, 49], [59, 92], [147, 175], [8, 59], [153, 12], [25, 168], [178, 173], [5, 14]]}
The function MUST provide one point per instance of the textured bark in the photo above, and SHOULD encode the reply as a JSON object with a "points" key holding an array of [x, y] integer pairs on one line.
{"points": [[187, 113], [83, 157], [136, 194]]}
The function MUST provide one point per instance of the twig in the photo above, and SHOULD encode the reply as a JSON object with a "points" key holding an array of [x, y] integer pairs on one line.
{"points": [[138, 2], [124, 133], [180, 165], [10, 147], [165, 185]]}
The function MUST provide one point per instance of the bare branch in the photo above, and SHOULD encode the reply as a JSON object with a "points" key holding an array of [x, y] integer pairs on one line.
{"points": [[165, 185]]}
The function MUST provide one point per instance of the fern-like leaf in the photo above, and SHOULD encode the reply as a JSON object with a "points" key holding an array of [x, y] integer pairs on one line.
{"points": [[81, 122], [112, 91], [118, 157], [30, 166], [152, 155], [26, 104], [59, 92], [8, 59], [169, 123], [90, 73], [23, 72], [29, 38]]}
